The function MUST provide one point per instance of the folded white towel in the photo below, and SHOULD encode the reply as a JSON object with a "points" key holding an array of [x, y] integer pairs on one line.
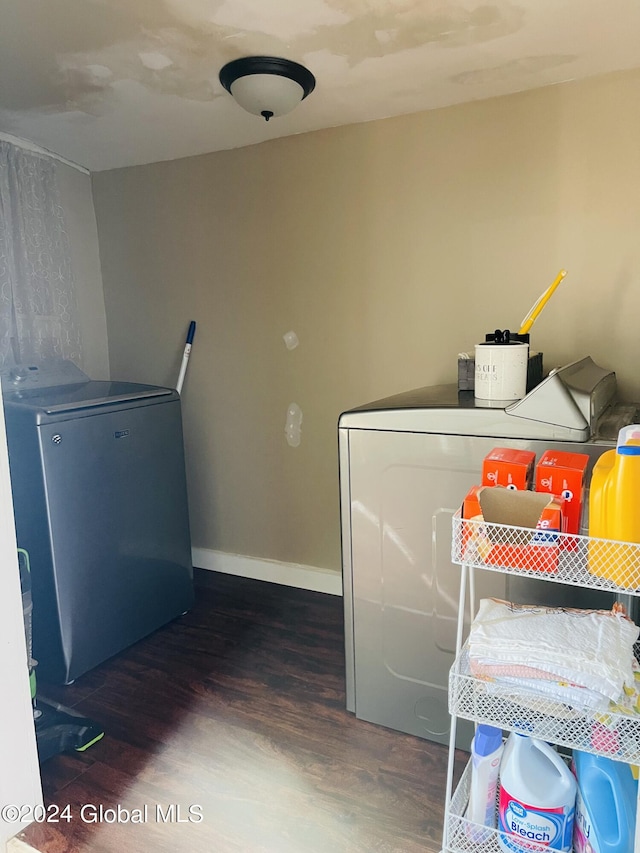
{"points": [[588, 648]]}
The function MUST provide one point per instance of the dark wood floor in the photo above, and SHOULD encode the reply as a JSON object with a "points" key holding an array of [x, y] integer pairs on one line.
{"points": [[239, 708]]}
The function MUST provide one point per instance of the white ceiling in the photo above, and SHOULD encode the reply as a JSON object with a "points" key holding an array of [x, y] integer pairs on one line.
{"points": [[109, 83]]}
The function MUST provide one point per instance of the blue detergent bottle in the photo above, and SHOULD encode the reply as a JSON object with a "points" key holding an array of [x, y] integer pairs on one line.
{"points": [[606, 801]]}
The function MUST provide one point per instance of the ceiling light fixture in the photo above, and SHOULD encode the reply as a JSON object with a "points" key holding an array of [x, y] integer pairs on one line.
{"points": [[267, 85]]}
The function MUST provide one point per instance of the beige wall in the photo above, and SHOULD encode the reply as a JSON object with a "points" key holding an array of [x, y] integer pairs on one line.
{"points": [[387, 247]]}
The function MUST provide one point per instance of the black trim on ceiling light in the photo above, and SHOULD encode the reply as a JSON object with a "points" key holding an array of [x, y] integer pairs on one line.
{"points": [[267, 65]]}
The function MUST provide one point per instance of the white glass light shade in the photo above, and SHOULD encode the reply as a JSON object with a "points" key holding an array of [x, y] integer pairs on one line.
{"points": [[263, 94], [267, 86]]}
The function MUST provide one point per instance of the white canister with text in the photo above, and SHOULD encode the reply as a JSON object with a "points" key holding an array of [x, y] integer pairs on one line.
{"points": [[501, 371]]}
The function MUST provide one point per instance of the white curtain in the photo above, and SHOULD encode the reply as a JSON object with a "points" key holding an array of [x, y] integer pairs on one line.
{"points": [[38, 313]]}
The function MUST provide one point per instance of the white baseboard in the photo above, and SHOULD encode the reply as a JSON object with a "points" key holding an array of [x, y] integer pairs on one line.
{"points": [[288, 574]]}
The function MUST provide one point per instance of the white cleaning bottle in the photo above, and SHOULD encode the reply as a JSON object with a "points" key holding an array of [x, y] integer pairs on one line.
{"points": [[537, 796], [486, 751]]}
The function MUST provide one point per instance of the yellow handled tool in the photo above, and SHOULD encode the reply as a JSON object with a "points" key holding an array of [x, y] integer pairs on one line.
{"points": [[532, 316]]}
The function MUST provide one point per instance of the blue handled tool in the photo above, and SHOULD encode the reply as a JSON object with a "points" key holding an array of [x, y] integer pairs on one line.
{"points": [[185, 355]]}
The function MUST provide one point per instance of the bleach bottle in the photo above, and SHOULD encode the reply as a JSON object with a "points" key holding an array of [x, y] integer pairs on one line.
{"points": [[605, 805], [537, 797]]}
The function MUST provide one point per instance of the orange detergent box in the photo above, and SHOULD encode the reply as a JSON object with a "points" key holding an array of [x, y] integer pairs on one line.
{"points": [[529, 538], [506, 466], [562, 473]]}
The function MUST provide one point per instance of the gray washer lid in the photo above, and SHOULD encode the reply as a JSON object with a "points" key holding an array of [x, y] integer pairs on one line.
{"points": [[82, 396]]}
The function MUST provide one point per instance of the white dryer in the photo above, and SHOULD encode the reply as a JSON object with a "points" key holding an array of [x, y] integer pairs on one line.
{"points": [[406, 463]]}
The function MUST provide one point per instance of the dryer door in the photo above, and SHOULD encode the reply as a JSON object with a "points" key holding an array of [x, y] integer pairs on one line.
{"points": [[404, 488]]}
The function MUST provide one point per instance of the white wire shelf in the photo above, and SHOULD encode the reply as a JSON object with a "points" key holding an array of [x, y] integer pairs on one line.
{"points": [[557, 557], [610, 733], [465, 836]]}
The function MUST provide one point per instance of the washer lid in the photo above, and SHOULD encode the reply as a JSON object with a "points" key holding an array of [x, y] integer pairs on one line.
{"points": [[93, 394], [105, 394], [55, 386]]}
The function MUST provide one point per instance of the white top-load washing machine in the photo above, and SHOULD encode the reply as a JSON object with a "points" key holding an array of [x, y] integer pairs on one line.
{"points": [[406, 463], [100, 503]]}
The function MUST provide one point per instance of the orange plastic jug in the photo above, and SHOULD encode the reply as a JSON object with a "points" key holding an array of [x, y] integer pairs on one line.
{"points": [[614, 501]]}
